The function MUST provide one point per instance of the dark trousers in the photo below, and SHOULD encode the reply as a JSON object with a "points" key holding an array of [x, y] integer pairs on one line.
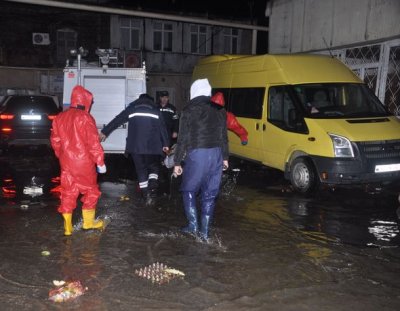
{"points": [[147, 168], [202, 171]]}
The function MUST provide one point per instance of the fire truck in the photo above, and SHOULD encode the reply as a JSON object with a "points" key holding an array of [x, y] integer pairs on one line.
{"points": [[113, 86]]}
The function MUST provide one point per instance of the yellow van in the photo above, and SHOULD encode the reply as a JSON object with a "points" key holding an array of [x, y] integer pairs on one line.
{"points": [[309, 116]]}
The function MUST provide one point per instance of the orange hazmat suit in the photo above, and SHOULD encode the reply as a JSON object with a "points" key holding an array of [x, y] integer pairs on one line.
{"points": [[75, 140]]}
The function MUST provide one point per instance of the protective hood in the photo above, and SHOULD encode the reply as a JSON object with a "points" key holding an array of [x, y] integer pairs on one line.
{"points": [[218, 98], [200, 87], [81, 98]]}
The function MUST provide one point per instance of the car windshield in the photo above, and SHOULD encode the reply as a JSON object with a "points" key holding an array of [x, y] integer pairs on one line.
{"points": [[38, 103], [339, 100]]}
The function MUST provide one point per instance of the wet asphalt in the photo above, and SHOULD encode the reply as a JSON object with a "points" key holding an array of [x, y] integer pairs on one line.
{"points": [[270, 248]]}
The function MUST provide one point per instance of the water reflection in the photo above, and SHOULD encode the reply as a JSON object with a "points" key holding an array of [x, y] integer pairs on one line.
{"points": [[28, 174], [384, 230], [362, 219]]}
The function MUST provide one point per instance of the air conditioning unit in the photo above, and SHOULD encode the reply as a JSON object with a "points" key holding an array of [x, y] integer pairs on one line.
{"points": [[40, 38]]}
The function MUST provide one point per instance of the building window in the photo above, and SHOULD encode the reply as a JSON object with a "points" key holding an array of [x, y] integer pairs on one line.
{"points": [[66, 41], [130, 34], [162, 39], [198, 39], [231, 39]]}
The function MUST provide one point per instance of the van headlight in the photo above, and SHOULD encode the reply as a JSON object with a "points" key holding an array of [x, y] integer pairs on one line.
{"points": [[341, 146]]}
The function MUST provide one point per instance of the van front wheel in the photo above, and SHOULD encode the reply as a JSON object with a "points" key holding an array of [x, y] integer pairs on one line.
{"points": [[302, 176]]}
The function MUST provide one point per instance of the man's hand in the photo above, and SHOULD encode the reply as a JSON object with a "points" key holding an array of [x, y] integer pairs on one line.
{"points": [[102, 137], [174, 135], [165, 149], [225, 165], [178, 170]]}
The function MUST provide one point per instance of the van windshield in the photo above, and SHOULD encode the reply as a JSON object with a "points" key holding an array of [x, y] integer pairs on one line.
{"points": [[339, 100]]}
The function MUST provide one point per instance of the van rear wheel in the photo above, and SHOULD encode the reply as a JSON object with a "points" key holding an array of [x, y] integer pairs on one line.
{"points": [[302, 176]]}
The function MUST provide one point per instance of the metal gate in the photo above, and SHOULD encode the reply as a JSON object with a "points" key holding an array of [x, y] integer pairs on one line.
{"points": [[378, 65]]}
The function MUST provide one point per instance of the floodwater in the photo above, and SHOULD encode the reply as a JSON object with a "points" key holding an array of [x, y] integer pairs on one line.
{"points": [[270, 249]]}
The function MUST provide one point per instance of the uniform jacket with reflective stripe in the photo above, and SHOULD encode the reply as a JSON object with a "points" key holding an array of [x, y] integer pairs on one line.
{"points": [[147, 133], [171, 119]]}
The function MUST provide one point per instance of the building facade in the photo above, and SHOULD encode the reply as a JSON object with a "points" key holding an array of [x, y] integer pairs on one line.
{"points": [[35, 45]]}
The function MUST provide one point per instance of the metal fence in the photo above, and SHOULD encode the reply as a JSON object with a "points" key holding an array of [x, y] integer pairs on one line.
{"points": [[378, 65]]}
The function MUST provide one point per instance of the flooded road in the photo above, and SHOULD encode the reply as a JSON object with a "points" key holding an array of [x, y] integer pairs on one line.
{"points": [[270, 248]]}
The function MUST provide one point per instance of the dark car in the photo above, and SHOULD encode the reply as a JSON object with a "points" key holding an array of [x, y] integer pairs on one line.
{"points": [[26, 119]]}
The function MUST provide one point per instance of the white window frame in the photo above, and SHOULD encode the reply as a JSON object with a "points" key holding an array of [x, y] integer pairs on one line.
{"points": [[231, 40], [132, 26], [165, 31], [198, 38]]}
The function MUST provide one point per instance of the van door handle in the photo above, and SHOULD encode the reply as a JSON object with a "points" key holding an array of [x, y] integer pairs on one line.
{"points": [[257, 126], [264, 126]]}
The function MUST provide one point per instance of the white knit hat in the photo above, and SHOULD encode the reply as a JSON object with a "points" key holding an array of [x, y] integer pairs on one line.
{"points": [[200, 87]]}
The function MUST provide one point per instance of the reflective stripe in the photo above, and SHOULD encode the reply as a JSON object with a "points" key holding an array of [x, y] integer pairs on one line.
{"points": [[153, 176], [167, 110], [143, 114], [143, 184]]}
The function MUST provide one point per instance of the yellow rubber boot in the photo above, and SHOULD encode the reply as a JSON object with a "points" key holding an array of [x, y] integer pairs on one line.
{"points": [[67, 223], [88, 220]]}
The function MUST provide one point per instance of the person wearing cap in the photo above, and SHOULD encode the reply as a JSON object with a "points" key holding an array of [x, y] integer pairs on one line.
{"points": [[75, 141], [170, 116], [201, 155], [147, 140]]}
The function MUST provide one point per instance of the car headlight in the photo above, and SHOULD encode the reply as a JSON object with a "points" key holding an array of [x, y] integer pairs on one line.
{"points": [[341, 146]]}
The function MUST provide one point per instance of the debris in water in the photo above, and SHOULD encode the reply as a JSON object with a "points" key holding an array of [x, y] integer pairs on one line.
{"points": [[124, 198], [58, 283], [46, 253], [69, 291], [159, 273]]}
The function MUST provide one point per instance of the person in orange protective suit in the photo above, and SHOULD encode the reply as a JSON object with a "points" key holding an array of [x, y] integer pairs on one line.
{"points": [[232, 123], [75, 140]]}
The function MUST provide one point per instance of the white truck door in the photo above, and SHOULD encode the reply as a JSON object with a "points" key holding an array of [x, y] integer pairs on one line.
{"points": [[109, 100]]}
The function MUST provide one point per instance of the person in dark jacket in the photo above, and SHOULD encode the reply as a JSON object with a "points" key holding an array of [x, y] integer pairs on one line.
{"points": [[147, 140], [170, 116], [201, 154]]}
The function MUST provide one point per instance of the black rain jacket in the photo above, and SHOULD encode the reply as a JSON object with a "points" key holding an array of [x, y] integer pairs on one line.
{"points": [[202, 125]]}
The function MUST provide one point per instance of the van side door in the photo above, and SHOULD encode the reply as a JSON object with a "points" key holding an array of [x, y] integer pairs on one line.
{"points": [[285, 127], [246, 103]]}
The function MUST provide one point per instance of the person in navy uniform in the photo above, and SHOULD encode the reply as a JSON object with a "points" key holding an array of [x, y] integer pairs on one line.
{"points": [[147, 140], [170, 116]]}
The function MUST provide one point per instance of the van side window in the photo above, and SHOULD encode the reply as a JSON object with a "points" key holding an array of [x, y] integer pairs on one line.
{"points": [[244, 102], [282, 112]]}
